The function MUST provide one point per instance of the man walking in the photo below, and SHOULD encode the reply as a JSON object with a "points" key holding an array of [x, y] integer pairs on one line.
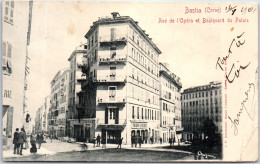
{"points": [[120, 143], [15, 140], [98, 141], [21, 140], [39, 139]]}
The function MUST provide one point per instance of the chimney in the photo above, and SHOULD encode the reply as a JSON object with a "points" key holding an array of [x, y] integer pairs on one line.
{"points": [[114, 14]]}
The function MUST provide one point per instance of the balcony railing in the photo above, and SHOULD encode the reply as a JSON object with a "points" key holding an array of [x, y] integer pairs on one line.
{"points": [[113, 78], [81, 78], [117, 59], [113, 38], [82, 65], [112, 100]]}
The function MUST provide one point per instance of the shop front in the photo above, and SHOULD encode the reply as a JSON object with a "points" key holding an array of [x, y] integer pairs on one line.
{"points": [[82, 131], [111, 134]]}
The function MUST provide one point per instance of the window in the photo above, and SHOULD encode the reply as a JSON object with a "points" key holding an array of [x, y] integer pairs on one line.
{"points": [[133, 52], [7, 58], [142, 113], [133, 112], [9, 11], [138, 113], [112, 73], [95, 36], [112, 93]]}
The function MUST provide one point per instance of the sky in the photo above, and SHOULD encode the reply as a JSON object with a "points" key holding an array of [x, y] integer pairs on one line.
{"points": [[58, 27]]}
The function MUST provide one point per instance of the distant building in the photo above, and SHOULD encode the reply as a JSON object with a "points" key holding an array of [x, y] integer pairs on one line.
{"points": [[76, 96], [39, 120], [170, 104], [198, 104], [122, 86], [58, 103], [46, 108], [15, 39]]}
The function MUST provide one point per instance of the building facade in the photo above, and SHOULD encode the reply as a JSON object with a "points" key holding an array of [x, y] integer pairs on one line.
{"points": [[39, 120], [58, 104], [199, 104], [76, 127], [122, 86], [15, 36], [170, 104], [41, 117]]}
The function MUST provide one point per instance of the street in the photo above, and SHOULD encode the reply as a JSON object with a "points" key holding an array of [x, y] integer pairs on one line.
{"points": [[61, 151]]}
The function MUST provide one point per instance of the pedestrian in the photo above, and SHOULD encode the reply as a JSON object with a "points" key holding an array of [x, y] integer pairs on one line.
{"points": [[151, 139], [21, 140], [170, 140], [15, 140], [160, 140], [33, 144], [98, 141], [39, 139], [135, 141], [120, 142], [51, 137], [26, 145], [140, 141]]}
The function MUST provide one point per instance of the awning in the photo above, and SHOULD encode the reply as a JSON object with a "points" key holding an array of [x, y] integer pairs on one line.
{"points": [[111, 127]]}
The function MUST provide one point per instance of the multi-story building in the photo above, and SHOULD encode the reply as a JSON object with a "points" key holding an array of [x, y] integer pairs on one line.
{"points": [[58, 104], [46, 107], [39, 120], [15, 39], [122, 86], [198, 104], [76, 99], [170, 103]]}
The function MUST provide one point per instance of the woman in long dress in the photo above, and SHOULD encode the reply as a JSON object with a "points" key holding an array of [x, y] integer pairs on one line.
{"points": [[33, 143]]}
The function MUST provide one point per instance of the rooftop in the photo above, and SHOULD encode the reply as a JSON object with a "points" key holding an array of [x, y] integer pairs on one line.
{"points": [[115, 19], [211, 85]]}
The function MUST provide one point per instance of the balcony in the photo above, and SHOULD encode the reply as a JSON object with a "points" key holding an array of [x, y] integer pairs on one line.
{"points": [[115, 60], [112, 100], [81, 78], [113, 40], [80, 65], [112, 78]]}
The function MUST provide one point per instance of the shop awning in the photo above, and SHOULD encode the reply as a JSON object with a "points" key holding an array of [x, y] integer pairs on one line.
{"points": [[111, 127]]}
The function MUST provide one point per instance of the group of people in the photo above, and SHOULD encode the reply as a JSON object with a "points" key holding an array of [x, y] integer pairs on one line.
{"points": [[135, 140], [20, 139]]}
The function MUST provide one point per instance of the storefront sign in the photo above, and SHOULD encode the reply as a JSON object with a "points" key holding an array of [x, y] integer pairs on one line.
{"points": [[139, 125]]}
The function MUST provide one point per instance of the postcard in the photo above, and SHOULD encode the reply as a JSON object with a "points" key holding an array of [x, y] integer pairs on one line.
{"points": [[129, 81]]}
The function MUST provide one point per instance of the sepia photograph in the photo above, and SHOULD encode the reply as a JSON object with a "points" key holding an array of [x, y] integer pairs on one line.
{"points": [[129, 81]]}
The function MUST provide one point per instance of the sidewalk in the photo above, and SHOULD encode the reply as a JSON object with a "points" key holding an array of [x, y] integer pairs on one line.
{"points": [[26, 152]]}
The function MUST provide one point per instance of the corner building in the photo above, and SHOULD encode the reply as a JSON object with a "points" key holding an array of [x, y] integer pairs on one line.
{"points": [[198, 104], [122, 86]]}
